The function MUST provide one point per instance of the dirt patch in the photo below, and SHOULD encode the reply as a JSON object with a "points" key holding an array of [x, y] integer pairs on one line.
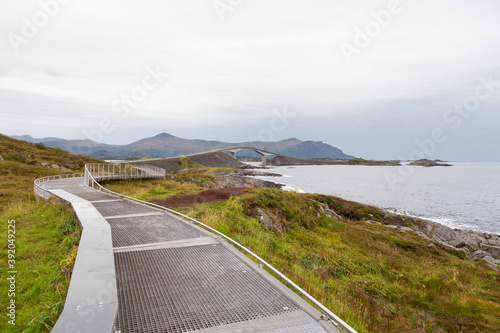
{"points": [[214, 194]]}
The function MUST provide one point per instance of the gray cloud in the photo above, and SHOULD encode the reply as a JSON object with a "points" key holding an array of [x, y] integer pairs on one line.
{"points": [[227, 75]]}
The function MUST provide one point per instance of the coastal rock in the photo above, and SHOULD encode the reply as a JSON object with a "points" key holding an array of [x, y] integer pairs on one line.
{"points": [[268, 219], [451, 247], [478, 254], [492, 250], [475, 245], [421, 234], [60, 167], [265, 219], [471, 238], [492, 262], [325, 210], [235, 181], [492, 239], [442, 233]]}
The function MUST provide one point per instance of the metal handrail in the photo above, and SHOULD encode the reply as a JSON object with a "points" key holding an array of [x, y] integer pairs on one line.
{"points": [[100, 171], [331, 316], [41, 193]]}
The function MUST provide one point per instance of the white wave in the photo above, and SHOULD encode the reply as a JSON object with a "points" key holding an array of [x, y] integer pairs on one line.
{"points": [[292, 189]]}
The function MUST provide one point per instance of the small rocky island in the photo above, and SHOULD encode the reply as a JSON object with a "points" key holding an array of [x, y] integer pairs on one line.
{"points": [[429, 163]]}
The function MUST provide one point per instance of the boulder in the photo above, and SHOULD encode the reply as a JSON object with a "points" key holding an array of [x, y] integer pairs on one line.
{"points": [[442, 233], [269, 220], [476, 245], [472, 239], [325, 210], [494, 251], [265, 219], [421, 234], [492, 262], [478, 254]]}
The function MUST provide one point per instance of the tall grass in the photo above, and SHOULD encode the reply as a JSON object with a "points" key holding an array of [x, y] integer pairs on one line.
{"points": [[159, 189], [46, 234], [46, 241], [376, 278]]}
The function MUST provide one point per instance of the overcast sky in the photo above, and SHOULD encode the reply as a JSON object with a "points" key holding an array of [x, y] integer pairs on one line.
{"points": [[378, 79]]}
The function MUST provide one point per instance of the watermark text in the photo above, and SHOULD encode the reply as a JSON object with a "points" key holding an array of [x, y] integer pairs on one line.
{"points": [[11, 272]]}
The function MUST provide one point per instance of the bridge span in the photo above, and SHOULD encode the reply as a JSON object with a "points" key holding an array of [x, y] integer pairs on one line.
{"points": [[261, 152]]}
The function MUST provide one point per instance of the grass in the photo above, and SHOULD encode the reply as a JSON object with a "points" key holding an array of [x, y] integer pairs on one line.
{"points": [[22, 165], [46, 234], [375, 278], [151, 189], [46, 242], [34, 154], [191, 181]]}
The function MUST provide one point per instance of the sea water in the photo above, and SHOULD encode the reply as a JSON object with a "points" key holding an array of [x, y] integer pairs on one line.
{"points": [[465, 195]]}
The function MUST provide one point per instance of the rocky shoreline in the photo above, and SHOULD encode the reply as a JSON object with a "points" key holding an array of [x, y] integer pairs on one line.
{"points": [[470, 244], [474, 245], [244, 178]]}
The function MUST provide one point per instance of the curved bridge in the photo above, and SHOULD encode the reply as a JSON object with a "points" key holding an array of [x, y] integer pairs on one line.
{"points": [[263, 153]]}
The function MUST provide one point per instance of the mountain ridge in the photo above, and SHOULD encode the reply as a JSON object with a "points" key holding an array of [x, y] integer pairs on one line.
{"points": [[167, 145]]}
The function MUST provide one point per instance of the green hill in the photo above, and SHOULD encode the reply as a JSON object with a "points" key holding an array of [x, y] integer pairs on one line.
{"points": [[22, 162]]}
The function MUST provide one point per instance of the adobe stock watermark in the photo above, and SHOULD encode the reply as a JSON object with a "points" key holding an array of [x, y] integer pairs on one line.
{"points": [[11, 272], [222, 7], [372, 29], [453, 119], [31, 26], [127, 102], [279, 121]]}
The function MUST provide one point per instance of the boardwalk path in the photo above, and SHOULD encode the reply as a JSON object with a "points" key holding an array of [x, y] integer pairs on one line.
{"points": [[175, 277]]}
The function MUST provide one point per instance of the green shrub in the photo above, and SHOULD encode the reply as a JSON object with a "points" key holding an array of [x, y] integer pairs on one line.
{"points": [[40, 146], [16, 158], [403, 244], [58, 151]]}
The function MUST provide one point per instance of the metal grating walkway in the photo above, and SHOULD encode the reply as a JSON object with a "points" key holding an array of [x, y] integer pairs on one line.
{"points": [[173, 277], [191, 288], [151, 229]]}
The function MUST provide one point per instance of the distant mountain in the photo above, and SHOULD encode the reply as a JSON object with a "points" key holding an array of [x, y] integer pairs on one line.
{"points": [[29, 138], [166, 145]]}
